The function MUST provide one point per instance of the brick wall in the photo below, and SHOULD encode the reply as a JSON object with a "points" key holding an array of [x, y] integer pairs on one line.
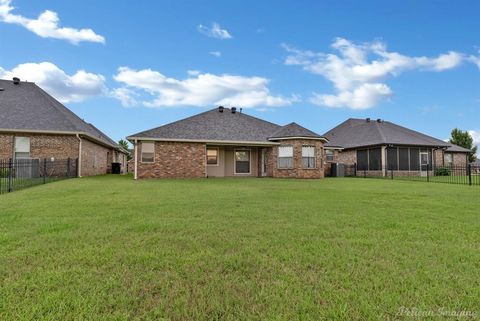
{"points": [[95, 158], [174, 160], [6, 146], [298, 171], [347, 157]]}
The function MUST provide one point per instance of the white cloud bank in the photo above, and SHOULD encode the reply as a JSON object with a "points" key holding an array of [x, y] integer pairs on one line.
{"points": [[358, 71], [66, 88], [47, 25], [215, 31], [199, 89], [476, 139]]}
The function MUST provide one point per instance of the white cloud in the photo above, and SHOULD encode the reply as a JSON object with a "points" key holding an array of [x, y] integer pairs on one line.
{"points": [[193, 72], [203, 89], [476, 139], [66, 88], [47, 25], [215, 53], [362, 97], [358, 71], [215, 31], [475, 60]]}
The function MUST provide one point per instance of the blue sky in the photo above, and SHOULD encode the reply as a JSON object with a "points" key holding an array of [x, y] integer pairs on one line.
{"points": [[138, 65]]}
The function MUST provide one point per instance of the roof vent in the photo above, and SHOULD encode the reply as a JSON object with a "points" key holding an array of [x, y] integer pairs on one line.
{"points": [[16, 80], [368, 120], [241, 109], [234, 110], [379, 120], [220, 109], [2, 89]]}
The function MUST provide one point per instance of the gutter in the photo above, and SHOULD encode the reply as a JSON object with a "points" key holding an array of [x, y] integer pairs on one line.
{"points": [[79, 169], [212, 142]]}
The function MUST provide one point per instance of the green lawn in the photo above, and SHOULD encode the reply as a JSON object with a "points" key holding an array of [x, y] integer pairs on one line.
{"points": [[110, 248]]}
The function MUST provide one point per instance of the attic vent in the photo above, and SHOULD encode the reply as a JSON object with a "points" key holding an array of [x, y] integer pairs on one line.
{"points": [[16, 80], [379, 120], [234, 110], [2, 89], [220, 109], [368, 120]]}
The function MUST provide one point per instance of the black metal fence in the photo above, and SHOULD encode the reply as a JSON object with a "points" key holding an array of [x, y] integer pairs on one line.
{"points": [[16, 174], [455, 174]]}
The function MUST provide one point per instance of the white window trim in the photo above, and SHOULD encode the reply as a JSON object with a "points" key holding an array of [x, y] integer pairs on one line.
{"points": [[249, 161], [293, 158], [218, 156], [141, 153], [326, 155]]}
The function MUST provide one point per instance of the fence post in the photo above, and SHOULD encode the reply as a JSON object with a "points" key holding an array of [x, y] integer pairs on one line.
{"points": [[364, 173], [469, 173], [428, 172], [391, 172], [10, 175], [68, 167], [44, 170], [354, 169]]}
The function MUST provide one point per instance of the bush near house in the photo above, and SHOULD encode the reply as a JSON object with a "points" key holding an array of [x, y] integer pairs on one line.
{"points": [[110, 248]]}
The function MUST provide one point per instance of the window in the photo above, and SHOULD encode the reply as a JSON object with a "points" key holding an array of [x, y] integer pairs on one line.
{"points": [[212, 156], [22, 147], [392, 158], [285, 156], [148, 152], [242, 161], [449, 159], [308, 156], [329, 155]]}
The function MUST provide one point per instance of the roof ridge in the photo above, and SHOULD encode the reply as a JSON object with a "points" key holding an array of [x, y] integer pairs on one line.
{"points": [[408, 131]]}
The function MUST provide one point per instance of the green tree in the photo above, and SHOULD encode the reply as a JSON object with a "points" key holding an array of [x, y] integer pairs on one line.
{"points": [[464, 139], [126, 146]]}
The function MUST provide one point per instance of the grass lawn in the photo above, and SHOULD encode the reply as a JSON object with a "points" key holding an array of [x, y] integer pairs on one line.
{"points": [[110, 248]]}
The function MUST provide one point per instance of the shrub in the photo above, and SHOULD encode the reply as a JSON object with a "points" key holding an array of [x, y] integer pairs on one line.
{"points": [[4, 172], [442, 171]]}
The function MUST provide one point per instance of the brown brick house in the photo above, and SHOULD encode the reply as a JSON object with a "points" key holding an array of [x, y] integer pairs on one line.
{"points": [[377, 146], [34, 125], [226, 143]]}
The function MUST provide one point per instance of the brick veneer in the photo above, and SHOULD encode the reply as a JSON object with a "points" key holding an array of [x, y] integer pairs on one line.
{"points": [[6, 146], [298, 171], [174, 160], [95, 158]]}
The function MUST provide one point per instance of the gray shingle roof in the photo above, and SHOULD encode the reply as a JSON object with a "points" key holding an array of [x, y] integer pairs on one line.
{"points": [[294, 130], [458, 149], [213, 125], [354, 133], [27, 107]]}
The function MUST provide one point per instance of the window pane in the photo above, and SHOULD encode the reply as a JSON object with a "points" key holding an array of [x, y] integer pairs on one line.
{"points": [[362, 159], [242, 161], [329, 154], [22, 144], [375, 159], [392, 162], [212, 156], [20, 155], [285, 162], [146, 157], [448, 159], [285, 151], [308, 162], [414, 159], [308, 151], [148, 147], [403, 159]]}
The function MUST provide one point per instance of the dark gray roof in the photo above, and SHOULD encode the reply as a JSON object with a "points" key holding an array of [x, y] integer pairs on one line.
{"points": [[27, 107], [294, 130], [354, 133], [458, 149], [213, 125]]}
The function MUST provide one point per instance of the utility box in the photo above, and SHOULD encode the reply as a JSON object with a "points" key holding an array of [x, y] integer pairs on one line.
{"points": [[337, 170], [116, 168]]}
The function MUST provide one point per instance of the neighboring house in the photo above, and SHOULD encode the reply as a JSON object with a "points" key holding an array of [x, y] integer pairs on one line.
{"points": [[226, 143], [377, 146], [34, 125]]}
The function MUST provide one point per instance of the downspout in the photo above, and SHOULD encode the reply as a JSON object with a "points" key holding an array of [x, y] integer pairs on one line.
{"points": [[79, 169], [384, 163], [135, 163]]}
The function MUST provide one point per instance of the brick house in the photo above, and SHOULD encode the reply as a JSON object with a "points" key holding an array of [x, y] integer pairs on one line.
{"points": [[378, 146], [224, 142], [34, 125]]}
